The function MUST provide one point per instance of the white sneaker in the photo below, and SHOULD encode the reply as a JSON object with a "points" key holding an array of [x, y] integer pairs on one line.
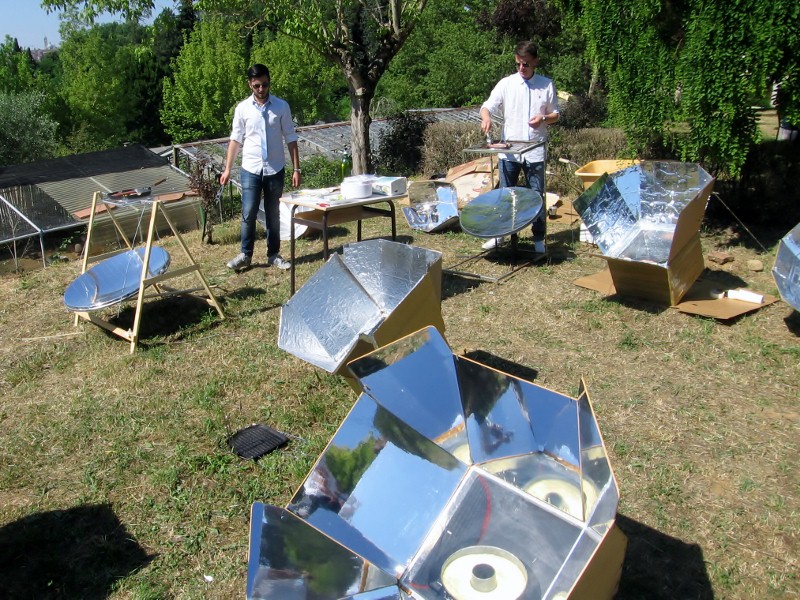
{"points": [[493, 243], [276, 260], [539, 247], [240, 262]]}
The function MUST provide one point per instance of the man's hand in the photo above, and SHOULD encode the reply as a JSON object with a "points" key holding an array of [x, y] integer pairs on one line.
{"points": [[225, 177]]}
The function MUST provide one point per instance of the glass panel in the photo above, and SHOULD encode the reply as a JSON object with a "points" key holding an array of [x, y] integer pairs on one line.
{"points": [[39, 207], [378, 487]]}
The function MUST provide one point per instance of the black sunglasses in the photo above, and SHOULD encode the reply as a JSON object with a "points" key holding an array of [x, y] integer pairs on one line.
{"points": [[524, 65], [258, 86]]}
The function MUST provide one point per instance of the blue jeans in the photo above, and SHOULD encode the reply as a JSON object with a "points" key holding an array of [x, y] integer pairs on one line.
{"points": [[252, 188], [534, 176]]}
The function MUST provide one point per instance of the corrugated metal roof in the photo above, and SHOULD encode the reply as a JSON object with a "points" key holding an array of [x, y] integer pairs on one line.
{"points": [[329, 139]]}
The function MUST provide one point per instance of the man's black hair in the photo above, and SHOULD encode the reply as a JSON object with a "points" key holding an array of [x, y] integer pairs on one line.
{"points": [[257, 70]]}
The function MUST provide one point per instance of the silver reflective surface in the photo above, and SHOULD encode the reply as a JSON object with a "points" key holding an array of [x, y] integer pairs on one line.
{"points": [[350, 299], [447, 472], [501, 212], [114, 279], [433, 205], [786, 271], [634, 213], [289, 550]]}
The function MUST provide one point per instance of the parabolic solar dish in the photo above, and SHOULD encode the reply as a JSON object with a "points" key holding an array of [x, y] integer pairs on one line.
{"points": [[114, 279], [375, 292], [643, 212], [787, 268], [433, 206], [447, 480], [501, 212]]}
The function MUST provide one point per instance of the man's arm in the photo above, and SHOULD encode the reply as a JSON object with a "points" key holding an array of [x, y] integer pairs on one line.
{"points": [[233, 150], [294, 153]]}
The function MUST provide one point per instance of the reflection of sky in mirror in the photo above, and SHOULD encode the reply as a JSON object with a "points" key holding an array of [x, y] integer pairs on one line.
{"points": [[418, 491]]}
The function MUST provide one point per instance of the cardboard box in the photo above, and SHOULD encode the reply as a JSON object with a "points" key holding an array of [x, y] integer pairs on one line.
{"points": [[646, 221], [389, 186]]}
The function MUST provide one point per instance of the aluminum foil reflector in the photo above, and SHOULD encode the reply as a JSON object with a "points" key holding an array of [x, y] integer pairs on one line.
{"points": [[433, 206], [455, 480], [787, 268], [114, 279], [634, 213], [646, 220], [376, 292]]}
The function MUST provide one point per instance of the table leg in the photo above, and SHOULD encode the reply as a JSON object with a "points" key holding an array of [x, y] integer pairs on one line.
{"points": [[291, 244], [325, 236], [394, 223]]}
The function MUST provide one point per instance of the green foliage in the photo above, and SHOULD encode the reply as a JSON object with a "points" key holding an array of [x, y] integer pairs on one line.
{"points": [[16, 67], [685, 75], [319, 172], [209, 79], [27, 133], [448, 61], [312, 86], [444, 144], [108, 72], [400, 147]]}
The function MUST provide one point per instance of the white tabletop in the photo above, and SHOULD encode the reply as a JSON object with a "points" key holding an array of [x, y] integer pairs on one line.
{"points": [[327, 199]]}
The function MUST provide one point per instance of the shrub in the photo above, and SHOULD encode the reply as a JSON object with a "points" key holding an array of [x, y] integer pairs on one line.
{"points": [[318, 172], [444, 145], [581, 112], [400, 147]]}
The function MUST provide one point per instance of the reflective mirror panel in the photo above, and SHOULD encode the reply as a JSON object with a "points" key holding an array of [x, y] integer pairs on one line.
{"points": [[786, 271], [114, 279], [403, 377], [501, 212], [378, 487], [492, 532], [633, 213], [291, 560], [433, 206]]}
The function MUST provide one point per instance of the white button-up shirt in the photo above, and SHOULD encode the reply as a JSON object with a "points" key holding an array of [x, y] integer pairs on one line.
{"points": [[518, 100], [249, 129]]}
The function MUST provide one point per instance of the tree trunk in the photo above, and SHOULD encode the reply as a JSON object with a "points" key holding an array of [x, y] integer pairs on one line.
{"points": [[360, 99]]}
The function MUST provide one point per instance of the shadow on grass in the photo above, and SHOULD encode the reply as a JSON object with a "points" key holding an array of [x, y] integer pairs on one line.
{"points": [[501, 364], [658, 566], [76, 553], [167, 316], [793, 322]]}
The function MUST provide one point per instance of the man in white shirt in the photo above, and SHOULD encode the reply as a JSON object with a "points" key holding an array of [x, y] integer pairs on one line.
{"points": [[261, 125], [528, 104]]}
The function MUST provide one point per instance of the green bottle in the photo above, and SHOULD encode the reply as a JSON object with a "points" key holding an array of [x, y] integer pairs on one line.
{"points": [[347, 164]]}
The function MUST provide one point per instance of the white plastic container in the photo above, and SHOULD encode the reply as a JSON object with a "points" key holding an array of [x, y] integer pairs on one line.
{"points": [[357, 187]]}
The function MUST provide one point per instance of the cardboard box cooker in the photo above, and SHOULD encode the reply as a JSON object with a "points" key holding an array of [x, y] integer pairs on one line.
{"points": [[667, 283]]}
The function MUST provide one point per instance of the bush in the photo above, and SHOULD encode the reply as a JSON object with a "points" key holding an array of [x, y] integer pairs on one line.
{"points": [[581, 112], [318, 172], [400, 146], [580, 146], [444, 145]]}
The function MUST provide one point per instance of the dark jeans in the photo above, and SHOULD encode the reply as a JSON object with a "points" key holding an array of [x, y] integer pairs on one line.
{"points": [[534, 176], [253, 187]]}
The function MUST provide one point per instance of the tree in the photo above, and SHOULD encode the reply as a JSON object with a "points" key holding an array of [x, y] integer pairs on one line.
{"points": [[27, 133], [686, 73], [16, 67], [207, 80], [359, 36]]}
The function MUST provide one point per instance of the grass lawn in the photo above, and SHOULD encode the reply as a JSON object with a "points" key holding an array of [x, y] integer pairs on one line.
{"points": [[115, 480]]}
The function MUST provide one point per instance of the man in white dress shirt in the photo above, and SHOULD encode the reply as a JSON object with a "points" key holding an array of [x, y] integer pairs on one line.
{"points": [[528, 104], [261, 125]]}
